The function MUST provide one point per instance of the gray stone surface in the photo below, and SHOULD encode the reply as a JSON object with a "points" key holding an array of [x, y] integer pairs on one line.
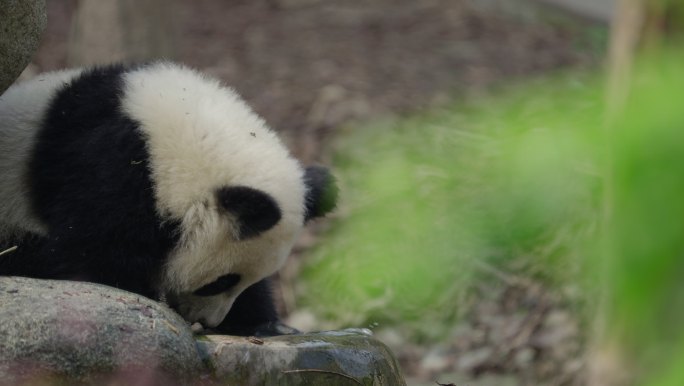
{"points": [[69, 333], [333, 358], [21, 25], [85, 332]]}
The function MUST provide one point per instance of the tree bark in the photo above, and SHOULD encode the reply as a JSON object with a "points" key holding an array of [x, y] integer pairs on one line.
{"points": [[121, 31]]}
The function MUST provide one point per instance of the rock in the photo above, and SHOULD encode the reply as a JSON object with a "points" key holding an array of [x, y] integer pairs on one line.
{"points": [[523, 358], [472, 360], [330, 358], [437, 360], [86, 332], [23, 22], [66, 332]]}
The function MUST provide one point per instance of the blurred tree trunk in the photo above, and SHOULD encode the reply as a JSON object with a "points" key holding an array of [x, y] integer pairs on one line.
{"points": [[639, 25], [625, 34], [105, 31]]}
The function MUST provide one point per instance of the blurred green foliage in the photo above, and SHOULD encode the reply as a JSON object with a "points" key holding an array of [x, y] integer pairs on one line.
{"points": [[427, 200], [644, 237], [538, 178]]}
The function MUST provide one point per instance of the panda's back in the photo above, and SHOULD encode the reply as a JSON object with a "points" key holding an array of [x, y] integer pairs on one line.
{"points": [[22, 111]]}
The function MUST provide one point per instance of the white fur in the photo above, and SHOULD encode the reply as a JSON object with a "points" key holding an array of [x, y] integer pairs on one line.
{"points": [[200, 137], [22, 107]]}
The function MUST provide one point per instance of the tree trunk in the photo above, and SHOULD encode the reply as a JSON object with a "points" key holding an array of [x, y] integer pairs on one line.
{"points": [[121, 31], [639, 25]]}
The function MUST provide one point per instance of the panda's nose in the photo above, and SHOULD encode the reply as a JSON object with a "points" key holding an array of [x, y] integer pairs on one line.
{"points": [[212, 316]]}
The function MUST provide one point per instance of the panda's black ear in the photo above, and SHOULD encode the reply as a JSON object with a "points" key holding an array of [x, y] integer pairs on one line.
{"points": [[321, 192], [255, 210]]}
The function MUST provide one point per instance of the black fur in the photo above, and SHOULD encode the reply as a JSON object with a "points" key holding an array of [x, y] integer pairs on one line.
{"points": [[255, 210], [220, 285], [253, 312], [321, 194]]}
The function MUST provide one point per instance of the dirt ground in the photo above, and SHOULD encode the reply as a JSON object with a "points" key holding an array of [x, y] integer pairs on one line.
{"points": [[310, 67]]}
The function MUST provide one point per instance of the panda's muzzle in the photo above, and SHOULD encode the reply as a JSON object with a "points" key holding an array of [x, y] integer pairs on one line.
{"points": [[209, 310], [208, 305], [222, 284]]}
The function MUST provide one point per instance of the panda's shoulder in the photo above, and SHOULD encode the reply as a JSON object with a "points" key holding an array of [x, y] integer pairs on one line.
{"points": [[34, 95]]}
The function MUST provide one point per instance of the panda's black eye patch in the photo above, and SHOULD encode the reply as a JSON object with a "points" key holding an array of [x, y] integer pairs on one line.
{"points": [[218, 286], [255, 210]]}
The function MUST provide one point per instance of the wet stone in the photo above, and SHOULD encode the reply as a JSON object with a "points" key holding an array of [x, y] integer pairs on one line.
{"points": [[332, 358]]}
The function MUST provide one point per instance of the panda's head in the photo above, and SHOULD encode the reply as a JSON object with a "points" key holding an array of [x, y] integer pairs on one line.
{"points": [[240, 236], [238, 196]]}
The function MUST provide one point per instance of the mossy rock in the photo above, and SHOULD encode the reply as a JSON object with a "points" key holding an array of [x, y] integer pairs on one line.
{"points": [[332, 358]]}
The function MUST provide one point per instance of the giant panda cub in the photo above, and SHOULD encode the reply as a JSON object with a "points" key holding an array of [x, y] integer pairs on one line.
{"points": [[153, 179]]}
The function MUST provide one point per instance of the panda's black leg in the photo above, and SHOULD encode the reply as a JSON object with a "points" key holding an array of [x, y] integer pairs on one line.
{"points": [[254, 313], [20, 256], [110, 262]]}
